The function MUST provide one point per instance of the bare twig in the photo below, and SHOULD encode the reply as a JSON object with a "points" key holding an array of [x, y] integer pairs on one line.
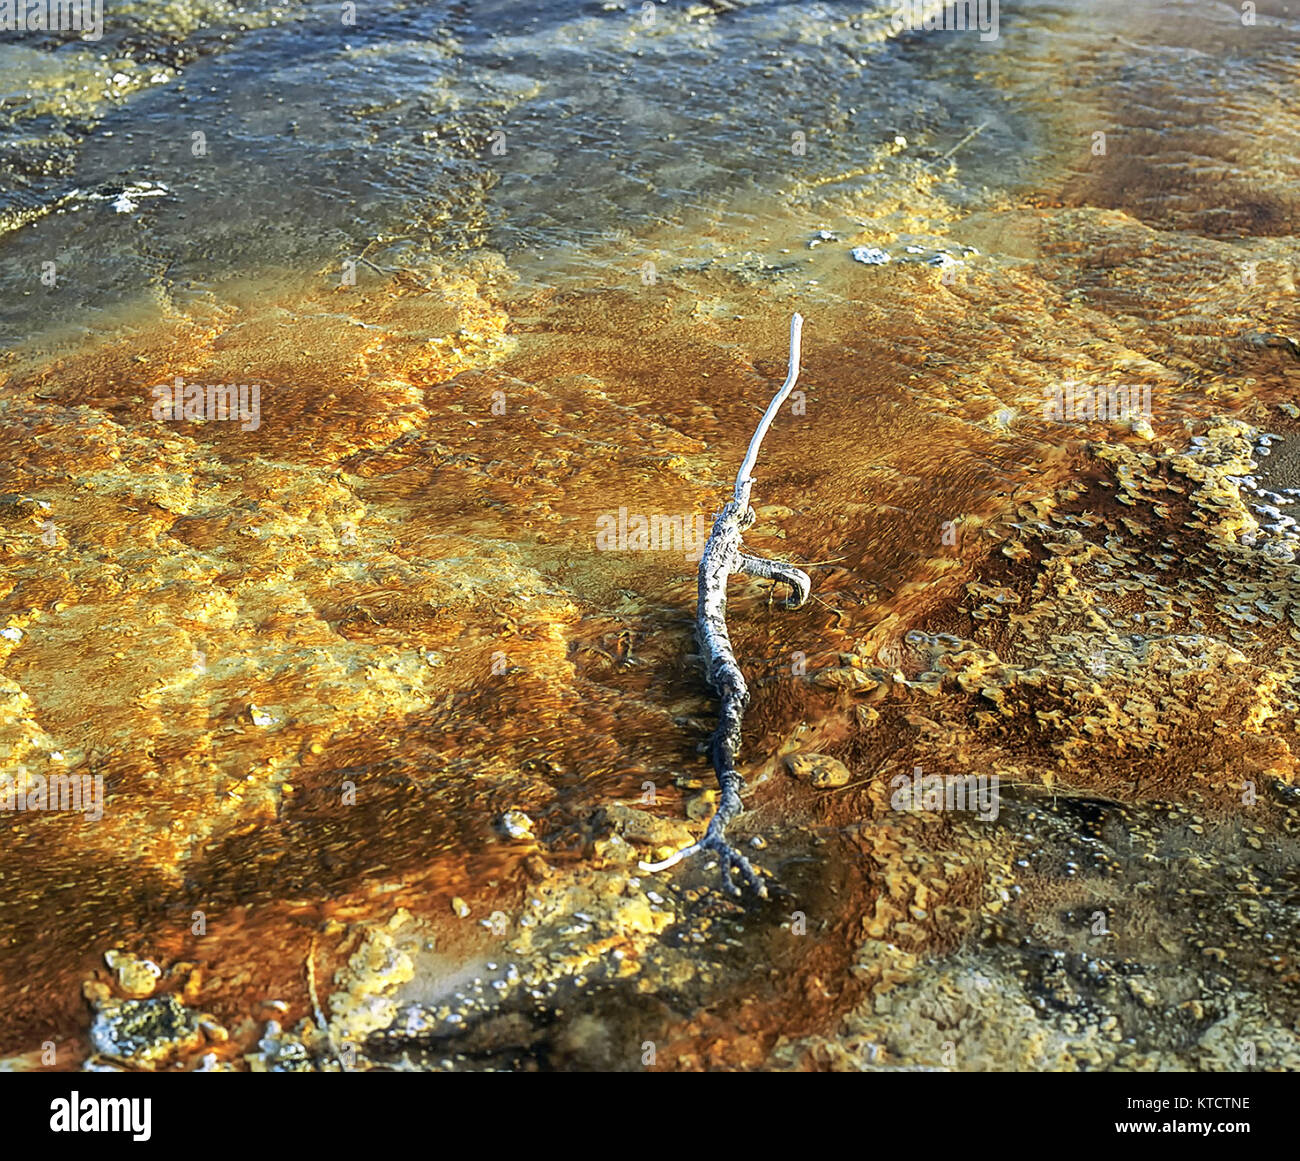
{"points": [[321, 1023], [969, 137], [745, 481], [722, 557]]}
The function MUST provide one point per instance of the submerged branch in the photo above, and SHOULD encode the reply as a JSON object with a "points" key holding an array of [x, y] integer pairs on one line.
{"points": [[722, 557]]}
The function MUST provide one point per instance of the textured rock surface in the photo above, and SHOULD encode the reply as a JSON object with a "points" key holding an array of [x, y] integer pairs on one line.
{"points": [[818, 770]]}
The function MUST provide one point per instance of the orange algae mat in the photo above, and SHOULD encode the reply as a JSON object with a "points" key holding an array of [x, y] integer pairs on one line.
{"points": [[314, 661]]}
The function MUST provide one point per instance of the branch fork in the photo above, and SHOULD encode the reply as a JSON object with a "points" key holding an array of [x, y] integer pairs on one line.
{"points": [[724, 555]]}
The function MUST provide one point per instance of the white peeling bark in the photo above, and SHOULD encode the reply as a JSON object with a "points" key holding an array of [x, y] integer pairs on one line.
{"points": [[723, 556]]}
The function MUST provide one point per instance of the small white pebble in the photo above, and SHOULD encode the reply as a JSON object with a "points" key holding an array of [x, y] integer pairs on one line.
{"points": [[516, 824], [869, 255]]}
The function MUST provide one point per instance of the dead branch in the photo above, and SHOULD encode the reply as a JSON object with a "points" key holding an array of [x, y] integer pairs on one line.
{"points": [[722, 557]]}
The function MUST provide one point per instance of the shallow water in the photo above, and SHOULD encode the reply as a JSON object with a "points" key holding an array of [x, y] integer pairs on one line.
{"points": [[499, 271]]}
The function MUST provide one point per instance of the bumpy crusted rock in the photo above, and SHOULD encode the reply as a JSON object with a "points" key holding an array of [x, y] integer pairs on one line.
{"points": [[145, 1033], [820, 771]]}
